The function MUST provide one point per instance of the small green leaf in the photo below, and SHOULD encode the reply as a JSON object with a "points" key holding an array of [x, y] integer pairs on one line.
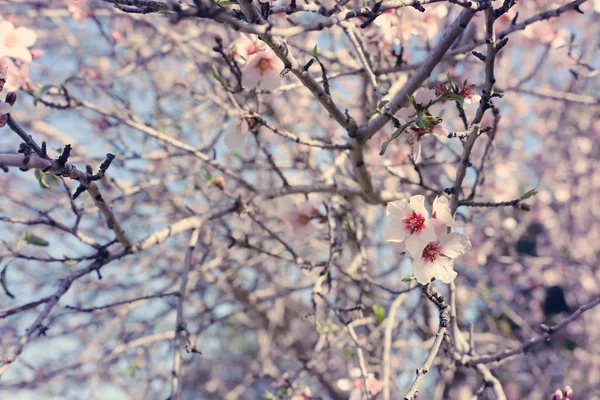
{"points": [[529, 194], [412, 102], [450, 96], [451, 83], [35, 240], [284, 393], [218, 79], [269, 396], [379, 312], [45, 180], [315, 53], [407, 279], [395, 135], [5, 243], [3, 283], [40, 92]]}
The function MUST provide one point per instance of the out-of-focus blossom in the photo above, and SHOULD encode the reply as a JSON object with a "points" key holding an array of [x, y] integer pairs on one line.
{"points": [[300, 217], [437, 258], [414, 136], [261, 67], [14, 42], [236, 138], [5, 108], [410, 224], [557, 395], [356, 386], [80, 9]]}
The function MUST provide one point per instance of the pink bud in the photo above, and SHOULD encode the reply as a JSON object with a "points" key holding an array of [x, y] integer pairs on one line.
{"points": [[37, 53], [568, 392], [557, 395]]}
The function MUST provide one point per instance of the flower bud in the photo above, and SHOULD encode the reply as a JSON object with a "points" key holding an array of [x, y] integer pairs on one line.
{"points": [[11, 98], [557, 395], [219, 182], [568, 392]]}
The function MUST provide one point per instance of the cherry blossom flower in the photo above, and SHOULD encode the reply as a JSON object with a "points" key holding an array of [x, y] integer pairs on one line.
{"points": [[415, 134], [300, 216], [16, 77], [355, 385], [235, 139], [436, 258], [410, 224], [261, 67], [441, 212], [262, 70], [14, 42]]}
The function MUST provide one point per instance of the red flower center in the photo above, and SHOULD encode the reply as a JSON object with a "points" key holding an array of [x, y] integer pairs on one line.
{"points": [[432, 251], [264, 65], [303, 220], [414, 222]]}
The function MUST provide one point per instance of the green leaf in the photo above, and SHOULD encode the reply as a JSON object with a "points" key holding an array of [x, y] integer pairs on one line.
{"points": [[451, 83], [5, 243], [45, 180], [218, 79], [412, 102], [269, 396], [3, 283], [40, 92], [395, 135], [529, 194], [35, 240], [407, 279], [379, 312], [315, 53], [284, 393], [450, 96]]}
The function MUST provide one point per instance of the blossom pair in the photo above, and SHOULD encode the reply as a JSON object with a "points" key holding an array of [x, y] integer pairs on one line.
{"points": [[426, 239]]}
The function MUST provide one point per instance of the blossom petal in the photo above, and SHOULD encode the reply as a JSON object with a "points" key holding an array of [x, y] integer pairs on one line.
{"points": [[422, 270], [416, 151], [424, 97], [405, 113], [397, 209], [26, 36], [441, 210], [395, 232], [415, 245], [5, 108], [344, 385], [19, 52], [270, 80], [417, 203], [443, 270], [235, 140], [454, 244], [6, 28]]}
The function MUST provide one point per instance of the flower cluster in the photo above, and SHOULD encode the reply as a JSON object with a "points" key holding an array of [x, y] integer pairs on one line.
{"points": [[426, 239], [261, 66]]}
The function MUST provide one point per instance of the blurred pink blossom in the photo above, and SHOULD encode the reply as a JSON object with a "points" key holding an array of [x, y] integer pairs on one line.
{"points": [[356, 386], [14, 42]]}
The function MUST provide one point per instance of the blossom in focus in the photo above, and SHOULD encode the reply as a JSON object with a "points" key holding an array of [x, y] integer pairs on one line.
{"points": [[262, 70], [14, 42], [261, 67], [355, 385], [437, 258], [410, 224]]}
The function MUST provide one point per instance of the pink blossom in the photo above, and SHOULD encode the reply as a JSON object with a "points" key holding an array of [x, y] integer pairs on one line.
{"points": [[410, 224], [262, 69], [299, 218], [356, 386], [236, 138], [14, 42], [436, 258], [16, 77]]}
